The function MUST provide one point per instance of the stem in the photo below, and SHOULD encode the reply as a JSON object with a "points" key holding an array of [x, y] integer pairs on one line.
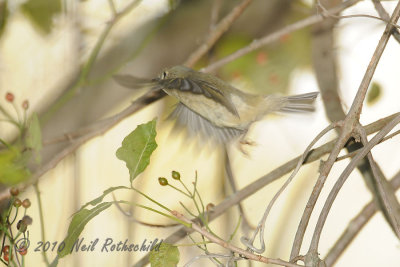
{"points": [[41, 217]]}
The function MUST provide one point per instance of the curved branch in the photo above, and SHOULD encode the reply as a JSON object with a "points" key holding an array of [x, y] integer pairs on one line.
{"points": [[355, 226], [255, 186], [217, 32], [277, 35]]}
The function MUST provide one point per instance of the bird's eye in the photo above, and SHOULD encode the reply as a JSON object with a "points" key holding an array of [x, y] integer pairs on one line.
{"points": [[164, 75]]}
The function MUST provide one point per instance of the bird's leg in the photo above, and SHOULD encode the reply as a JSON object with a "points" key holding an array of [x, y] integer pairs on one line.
{"points": [[244, 143]]}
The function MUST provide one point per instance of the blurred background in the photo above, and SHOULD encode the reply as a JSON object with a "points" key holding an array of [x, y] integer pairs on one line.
{"points": [[60, 55]]}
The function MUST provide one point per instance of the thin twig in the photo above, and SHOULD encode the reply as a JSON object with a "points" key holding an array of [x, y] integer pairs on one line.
{"points": [[112, 7], [246, 226], [214, 36], [261, 225], [355, 226], [209, 256], [92, 131], [87, 67], [353, 153], [215, 10], [383, 14], [389, 199], [324, 62], [326, 13], [275, 36], [345, 174], [350, 122], [130, 217], [260, 183], [224, 244]]}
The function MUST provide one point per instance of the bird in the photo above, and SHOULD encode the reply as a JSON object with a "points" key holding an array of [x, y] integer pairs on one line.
{"points": [[212, 107]]}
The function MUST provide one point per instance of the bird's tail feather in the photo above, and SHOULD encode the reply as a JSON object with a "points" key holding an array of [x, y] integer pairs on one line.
{"points": [[300, 103]]}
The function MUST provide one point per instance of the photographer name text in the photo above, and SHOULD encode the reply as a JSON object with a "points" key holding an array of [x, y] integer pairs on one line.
{"points": [[102, 245]]}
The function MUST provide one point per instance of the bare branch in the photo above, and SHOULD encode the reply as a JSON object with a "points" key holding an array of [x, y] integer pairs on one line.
{"points": [[87, 67], [353, 153], [261, 225], [351, 120], [96, 129], [325, 13], [250, 189], [345, 174], [390, 203], [276, 36], [324, 62], [220, 29], [224, 244], [355, 226], [384, 15]]}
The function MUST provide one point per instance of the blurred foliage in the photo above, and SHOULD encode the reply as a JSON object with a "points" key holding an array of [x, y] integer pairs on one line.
{"points": [[13, 168], [15, 158], [3, 16], [374, 93], [166, 256], [42, 12], [172, 4], [268, 69]]}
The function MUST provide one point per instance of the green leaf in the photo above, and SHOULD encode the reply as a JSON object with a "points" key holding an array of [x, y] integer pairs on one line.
{"points": [[78, 223], [12, 167], [137, 148], [374, 93], [34, 137], [42, 12], [166, 256], [97, 200]]}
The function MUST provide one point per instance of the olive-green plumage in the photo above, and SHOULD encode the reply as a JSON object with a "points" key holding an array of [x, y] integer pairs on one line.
{"points": [[212, 106]]}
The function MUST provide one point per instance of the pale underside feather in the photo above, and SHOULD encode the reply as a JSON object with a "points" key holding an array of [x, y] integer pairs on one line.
{"points": [[195, 124]]}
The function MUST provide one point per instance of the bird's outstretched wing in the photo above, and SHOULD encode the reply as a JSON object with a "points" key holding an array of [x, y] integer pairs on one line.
{"points": [[197, 125], [199, 87]]}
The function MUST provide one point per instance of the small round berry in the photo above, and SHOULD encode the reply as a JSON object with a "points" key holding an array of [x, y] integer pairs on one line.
{"points": [[27, 220], [6, 257], [210, 207], [14, 191], [26, 203], [9, 97], [6, 249], [25, 104], [17, 202], [22, 226], [176, 175], [22, 251], [163, 181]]}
